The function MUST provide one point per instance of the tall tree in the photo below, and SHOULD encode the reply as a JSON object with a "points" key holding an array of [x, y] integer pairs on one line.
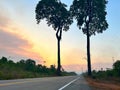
{"points": [[56, 16], [91, 19]]}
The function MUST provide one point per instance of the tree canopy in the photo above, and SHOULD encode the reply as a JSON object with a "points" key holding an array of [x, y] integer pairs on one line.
{"points": [[116, 65], [82, 12], [55, 14]]}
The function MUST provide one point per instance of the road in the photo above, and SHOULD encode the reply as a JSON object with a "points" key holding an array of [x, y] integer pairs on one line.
{"points": [[48, 83]]}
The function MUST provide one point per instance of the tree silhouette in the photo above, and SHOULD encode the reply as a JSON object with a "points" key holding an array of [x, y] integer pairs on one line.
{"points": [[116, 67], [56, 16], [91, 19]]}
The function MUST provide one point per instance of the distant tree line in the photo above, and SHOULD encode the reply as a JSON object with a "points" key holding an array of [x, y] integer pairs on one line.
{"points": [[108, 73], [26, 69]]}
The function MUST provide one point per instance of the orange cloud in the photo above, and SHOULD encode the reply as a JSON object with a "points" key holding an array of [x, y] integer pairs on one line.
{"points": [[14, 45], [14, 41]]}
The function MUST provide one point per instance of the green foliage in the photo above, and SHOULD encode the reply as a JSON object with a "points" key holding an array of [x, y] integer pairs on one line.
{"points": [[55, 14], [116, 67], [109, 73], [24, 69], [3, 60], [102, 74], [93, 12], [68, 73]]}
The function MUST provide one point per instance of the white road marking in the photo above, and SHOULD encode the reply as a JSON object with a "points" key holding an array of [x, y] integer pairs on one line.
{"points": [[68, 84]]}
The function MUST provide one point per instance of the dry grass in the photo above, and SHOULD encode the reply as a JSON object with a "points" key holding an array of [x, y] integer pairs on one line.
{"points": [[103, 84]]}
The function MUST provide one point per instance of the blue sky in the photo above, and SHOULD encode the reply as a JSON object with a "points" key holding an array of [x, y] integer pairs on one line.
{"points": [[21, 37]]}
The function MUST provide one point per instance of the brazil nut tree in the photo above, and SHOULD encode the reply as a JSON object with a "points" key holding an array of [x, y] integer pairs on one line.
{"points": [[57, 16], [91, 19]]}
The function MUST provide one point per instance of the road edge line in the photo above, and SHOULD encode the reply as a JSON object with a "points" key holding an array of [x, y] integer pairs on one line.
{"points": [[68, 84]]}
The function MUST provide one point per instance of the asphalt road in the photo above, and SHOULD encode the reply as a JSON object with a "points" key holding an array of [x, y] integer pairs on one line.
{"points": [[48, 83]]}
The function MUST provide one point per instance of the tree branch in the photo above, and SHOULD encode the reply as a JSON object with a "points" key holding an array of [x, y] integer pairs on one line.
{"points": [[59, 33]]}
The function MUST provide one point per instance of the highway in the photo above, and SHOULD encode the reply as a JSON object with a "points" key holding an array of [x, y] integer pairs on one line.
{"points": [[47, 83]]}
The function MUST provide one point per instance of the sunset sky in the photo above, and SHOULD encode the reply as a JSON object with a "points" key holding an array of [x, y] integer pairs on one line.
{"points": [[22, 38]]}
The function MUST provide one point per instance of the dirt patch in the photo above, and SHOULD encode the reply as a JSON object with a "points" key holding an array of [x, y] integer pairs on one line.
{"points": [[103, 84]]}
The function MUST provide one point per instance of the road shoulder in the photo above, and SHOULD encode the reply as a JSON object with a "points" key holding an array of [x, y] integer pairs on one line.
{"points": [[79, 84]]}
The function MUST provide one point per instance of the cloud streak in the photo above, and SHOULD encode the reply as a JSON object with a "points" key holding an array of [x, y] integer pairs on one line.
{"points": [[12, 43], [15, 46]]}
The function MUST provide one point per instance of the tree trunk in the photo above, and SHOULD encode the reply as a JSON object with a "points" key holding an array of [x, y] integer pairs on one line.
{"points": [[88, 52], [59, 64], [58, 36], [88, 36]]}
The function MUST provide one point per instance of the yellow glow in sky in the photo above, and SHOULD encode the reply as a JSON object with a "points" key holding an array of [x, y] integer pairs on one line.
{"points": [[21, 37]]}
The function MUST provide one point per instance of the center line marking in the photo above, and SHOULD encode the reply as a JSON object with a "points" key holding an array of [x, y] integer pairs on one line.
{"points": [[68, 84]]}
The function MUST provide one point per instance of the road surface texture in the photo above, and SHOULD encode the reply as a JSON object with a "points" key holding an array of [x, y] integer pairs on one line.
{"points": [[48, 83]]}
